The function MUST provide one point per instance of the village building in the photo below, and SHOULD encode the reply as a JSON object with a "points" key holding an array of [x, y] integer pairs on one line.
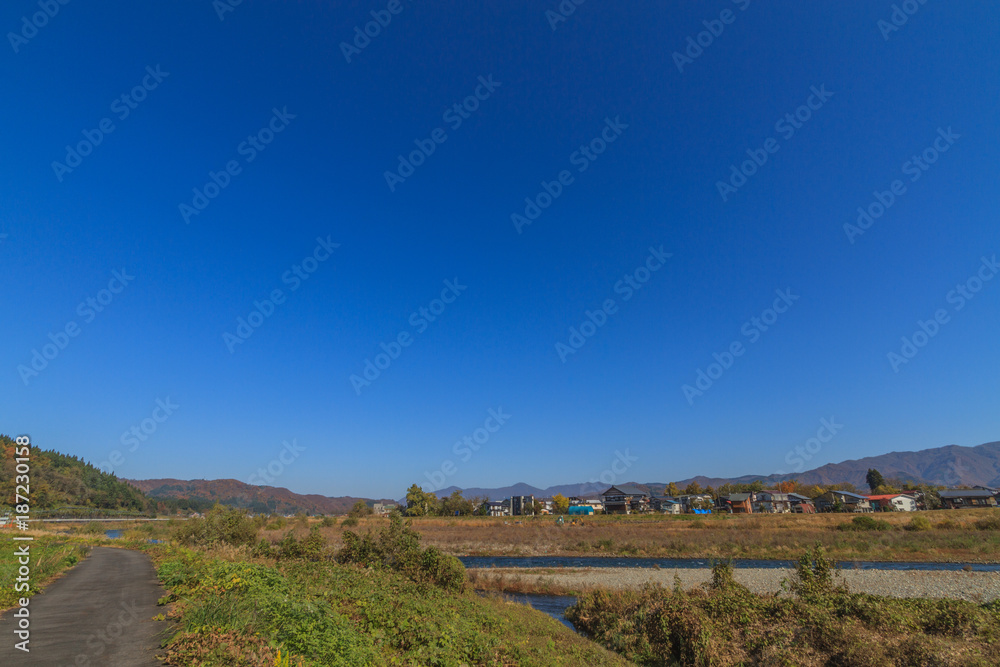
{"points": [[961, 498], [770, 501], [894, 502], [665, 505], [737, 503], [625, 499], [844, 501], [801, 504]]}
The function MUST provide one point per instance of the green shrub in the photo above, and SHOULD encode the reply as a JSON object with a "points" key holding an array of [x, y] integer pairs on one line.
{"points": [[350, 522], [919, 523], [865, 522], [990, 522], [328, 521], [222, 525], [813, 577], [397, 547]]}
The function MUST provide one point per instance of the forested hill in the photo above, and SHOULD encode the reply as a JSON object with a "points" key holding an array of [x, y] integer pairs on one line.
{"points": [[59, 481]]}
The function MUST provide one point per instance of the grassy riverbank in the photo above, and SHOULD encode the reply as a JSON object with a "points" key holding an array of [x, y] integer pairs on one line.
{"points": [[382, 600], [50, 557], [820, 623]]}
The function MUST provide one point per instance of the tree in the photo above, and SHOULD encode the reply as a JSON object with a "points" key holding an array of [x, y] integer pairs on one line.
{"points": [[874, 479], [788, 486], [560, 503], [672, 490], [359, 510], [456, 504], [693, 489], [537, 507], [420, 503]]}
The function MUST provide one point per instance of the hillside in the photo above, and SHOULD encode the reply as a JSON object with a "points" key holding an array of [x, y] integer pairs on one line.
{"points": [[951, 465], [201, 493], [61, 481]]}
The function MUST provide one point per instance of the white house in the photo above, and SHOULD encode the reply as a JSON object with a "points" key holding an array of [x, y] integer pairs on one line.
{"points": [[894, 502]]}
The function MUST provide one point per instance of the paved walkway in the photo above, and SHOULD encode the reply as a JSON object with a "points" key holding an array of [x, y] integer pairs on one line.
{"points": [[98, 613]]}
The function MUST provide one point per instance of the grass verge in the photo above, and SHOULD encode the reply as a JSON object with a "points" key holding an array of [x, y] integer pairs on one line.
{"points": [[50, 556]]}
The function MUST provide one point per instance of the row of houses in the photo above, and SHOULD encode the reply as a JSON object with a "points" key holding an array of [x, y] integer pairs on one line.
{"points": [[629, 499], [632, 499]]}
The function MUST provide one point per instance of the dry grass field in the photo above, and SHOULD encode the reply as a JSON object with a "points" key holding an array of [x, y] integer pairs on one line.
{"points": [[966, 536]]}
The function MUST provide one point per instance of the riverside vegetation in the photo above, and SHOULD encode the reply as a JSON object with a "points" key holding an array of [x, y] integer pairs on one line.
{"points": [[381, 599], [817, 622]]}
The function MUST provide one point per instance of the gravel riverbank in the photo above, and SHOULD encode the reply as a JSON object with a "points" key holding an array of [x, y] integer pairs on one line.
{"points": [[972, 586]]}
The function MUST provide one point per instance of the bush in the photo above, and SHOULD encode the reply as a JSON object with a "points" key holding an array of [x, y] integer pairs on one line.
{"points": [[919, 523], [328, 521], [350, 522], [865, 522], [397, 547], [990, 522], [813, 578], [222, 525]]}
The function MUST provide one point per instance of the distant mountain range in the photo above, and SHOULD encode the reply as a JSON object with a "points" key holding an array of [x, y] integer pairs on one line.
{"points": [[947, 466], [261, 499]]}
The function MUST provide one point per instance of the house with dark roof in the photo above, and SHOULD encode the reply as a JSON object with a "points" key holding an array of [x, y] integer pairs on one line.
{"points": [[665, 505], [737, 503], [842, 501], [771, 501], [801, 504], [625, 499], [959, 498]]}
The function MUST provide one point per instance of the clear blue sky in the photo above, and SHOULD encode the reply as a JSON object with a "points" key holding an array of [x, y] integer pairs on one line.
{"points": [[677, 127]]}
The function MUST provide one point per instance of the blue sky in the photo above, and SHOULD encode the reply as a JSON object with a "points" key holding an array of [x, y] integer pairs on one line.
{"points": [[641, 138]]}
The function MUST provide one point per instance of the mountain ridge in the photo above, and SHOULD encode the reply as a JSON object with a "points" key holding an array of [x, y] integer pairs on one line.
{"points": [[949, 465]]}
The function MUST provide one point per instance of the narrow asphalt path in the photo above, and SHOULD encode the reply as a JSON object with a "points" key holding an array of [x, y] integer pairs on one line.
{"points": [[98, 613]]}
